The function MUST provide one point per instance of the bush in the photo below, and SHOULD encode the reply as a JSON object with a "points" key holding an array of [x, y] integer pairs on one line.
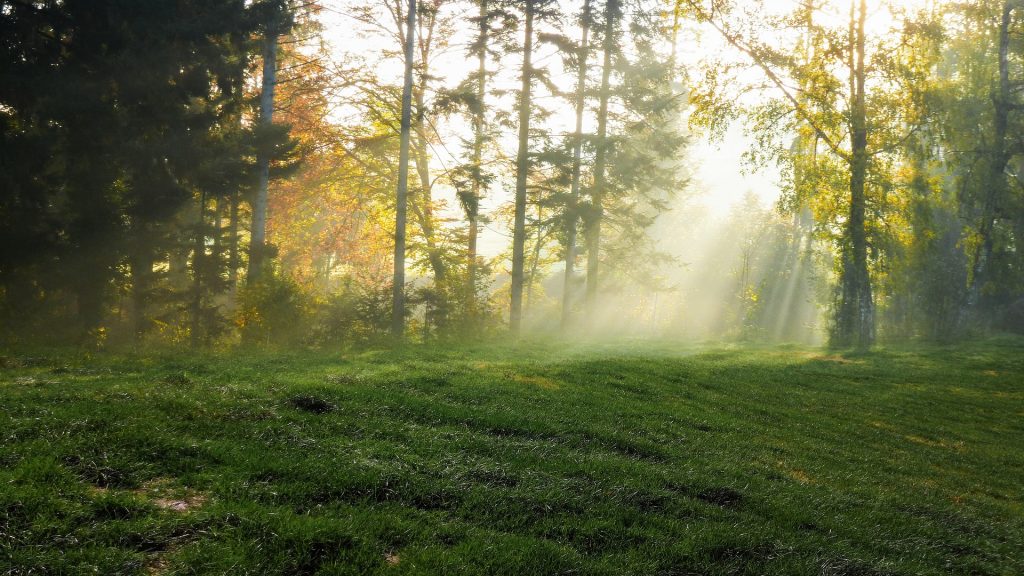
{"points": [[274, 311], [356, 315]]}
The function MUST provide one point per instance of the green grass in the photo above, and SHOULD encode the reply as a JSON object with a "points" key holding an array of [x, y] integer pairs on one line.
{"points": [[522, 461]]}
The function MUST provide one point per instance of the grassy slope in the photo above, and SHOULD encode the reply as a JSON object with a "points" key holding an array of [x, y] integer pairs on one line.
{"points": [[483, 461]]}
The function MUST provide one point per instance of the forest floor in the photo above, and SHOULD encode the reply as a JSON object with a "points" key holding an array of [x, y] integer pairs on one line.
{"points": [[490, 460]]}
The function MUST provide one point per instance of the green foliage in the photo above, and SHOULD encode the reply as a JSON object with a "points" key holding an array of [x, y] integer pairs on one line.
{"points": [[454, 312], [274, 311], [133, 113], [128, 148], [355, 315]]}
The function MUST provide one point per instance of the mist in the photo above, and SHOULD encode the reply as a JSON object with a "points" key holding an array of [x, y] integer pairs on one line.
{"points": [[745, 274], [511, 288], [315, 176]]}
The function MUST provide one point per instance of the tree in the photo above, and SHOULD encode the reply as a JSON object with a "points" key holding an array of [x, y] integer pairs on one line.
{"points": [[532, 11], [572, 210], [478, 182], [152, 86], [522, 172], [472, 177], [258, 232], [832, 108], [1001, 148], [855, 317], [398, 298], [595, 211]]}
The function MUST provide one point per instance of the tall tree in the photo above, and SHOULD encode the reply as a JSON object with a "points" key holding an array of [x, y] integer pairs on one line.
{"points": [[855, 317], [151, 85], [873, 123], [572, 211], [997, 157], [434, 29], [471, 202], [595, 212], [522, 171], [401, 196], [276, 22]]}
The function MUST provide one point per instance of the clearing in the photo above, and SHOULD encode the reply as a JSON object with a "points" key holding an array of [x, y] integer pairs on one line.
{"points": [[517, 460]]}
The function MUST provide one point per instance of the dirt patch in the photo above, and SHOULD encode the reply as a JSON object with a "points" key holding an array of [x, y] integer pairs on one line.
{"points": [[725, 497], [179, 505], [158, 564], [311, 404], [165, 494], [392, 559]]}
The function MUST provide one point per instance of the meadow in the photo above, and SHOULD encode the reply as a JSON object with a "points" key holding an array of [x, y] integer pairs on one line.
{"points": [[524, 459]]}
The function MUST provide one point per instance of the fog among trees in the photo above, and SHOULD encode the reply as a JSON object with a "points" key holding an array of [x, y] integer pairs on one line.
{"points": [[222, 172]]}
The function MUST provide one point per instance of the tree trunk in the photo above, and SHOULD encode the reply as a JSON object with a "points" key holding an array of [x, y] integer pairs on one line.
{"points": [[600, 162], [572, 215], [217, 230], [233, 256], [522, 171], [996, 178], [424, 209], [401, 195], [472, 204], [258, 234], [141, 264], [198, 269], [855, 324], [538, 245]]}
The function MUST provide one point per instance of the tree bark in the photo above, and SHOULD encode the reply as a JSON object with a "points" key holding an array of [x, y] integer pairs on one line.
{"points": [[522, 172], [856, 318], [198, 269], [141, 264], [600, 162], [472, 204], [258, 234], [996, 177], [401, 195], [572, 212], [234, 260]]}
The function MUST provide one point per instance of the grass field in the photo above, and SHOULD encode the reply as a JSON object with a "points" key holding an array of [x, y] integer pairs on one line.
{"points": [[528, 460]]}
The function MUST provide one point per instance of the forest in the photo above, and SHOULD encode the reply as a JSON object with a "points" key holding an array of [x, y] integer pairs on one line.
{"points": [[496, 287], [213, 173]]}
